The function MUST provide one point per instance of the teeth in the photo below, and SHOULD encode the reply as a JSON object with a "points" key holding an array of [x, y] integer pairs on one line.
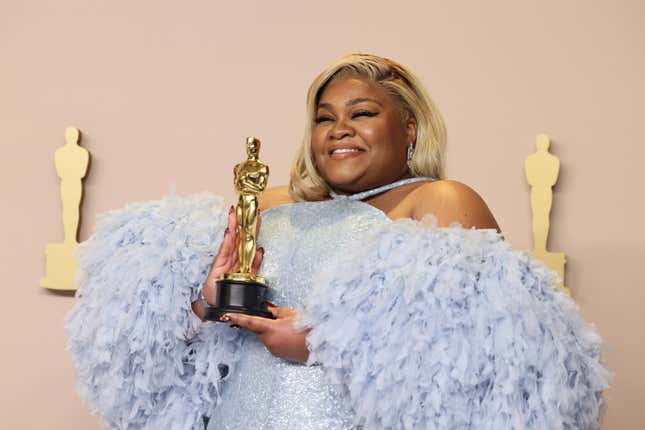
{"points": [[342, 150]]}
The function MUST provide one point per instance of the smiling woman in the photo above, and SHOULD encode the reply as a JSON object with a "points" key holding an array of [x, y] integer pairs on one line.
{"points": [[360, 140], [387, 316], [380, 107]]}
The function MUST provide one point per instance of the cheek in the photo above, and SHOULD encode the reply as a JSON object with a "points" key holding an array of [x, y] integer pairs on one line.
{"points": [[384, 130], [317, 140], [318, 146], [395, 135], [389, 143]]}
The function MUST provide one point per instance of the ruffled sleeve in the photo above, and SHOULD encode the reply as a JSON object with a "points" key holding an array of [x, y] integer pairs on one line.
{"points": [[450, 328], [143, 360]]}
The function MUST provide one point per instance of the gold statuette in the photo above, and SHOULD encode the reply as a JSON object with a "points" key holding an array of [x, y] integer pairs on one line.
{"points": [[242, 291], [250, 180]]}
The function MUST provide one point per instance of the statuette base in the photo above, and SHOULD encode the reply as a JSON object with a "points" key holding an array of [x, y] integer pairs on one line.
{"points": [[61, 266], [241, 297]]}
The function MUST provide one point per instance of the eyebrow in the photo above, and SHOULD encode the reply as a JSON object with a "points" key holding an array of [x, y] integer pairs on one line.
{"points": [[352, 102]]}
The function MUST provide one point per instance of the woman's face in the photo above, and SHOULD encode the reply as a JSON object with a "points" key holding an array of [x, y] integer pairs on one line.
{"points": [[359, 139]]}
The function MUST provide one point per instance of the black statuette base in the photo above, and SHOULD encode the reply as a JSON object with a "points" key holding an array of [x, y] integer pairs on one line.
{"points": [[241, 297]]}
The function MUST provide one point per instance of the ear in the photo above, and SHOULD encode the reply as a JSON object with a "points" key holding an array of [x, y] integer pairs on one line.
{"points": [[411, 130]]}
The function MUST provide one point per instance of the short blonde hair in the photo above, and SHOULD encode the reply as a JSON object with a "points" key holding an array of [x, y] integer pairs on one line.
{"points": [[413, 100]]}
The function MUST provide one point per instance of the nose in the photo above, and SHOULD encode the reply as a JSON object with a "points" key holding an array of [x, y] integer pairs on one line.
{"points": [[341, 130]]}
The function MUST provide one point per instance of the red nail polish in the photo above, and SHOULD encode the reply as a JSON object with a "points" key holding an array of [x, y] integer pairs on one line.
{"points": [[270, 304], [227, 231], [261, 249], [230, 211]]}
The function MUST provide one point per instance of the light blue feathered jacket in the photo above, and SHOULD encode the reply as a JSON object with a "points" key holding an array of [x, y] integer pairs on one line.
{"points": [[424, 327]]}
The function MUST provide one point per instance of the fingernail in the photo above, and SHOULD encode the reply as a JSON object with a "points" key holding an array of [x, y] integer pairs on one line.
{"points": [[227, 231], [230, 211], [224, 318], [261, 249], [270, 304], [235, 326]]}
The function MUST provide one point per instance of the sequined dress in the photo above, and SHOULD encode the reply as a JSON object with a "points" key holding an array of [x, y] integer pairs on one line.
{"points": [[267, 392], [413, 326]]}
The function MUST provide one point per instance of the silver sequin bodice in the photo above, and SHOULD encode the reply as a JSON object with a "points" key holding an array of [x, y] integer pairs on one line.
{"points": [[266, 392]]}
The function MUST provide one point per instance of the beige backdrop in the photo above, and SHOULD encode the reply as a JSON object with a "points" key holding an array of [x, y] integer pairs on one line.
{"points": [[165, 93]]}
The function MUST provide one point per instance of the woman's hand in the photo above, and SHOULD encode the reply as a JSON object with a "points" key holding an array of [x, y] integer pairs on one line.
{"points": [[226, 260], [278, 335]]}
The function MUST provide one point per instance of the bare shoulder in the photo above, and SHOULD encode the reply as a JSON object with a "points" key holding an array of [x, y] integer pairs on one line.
{"points": [[275, 196], [452, 202]]}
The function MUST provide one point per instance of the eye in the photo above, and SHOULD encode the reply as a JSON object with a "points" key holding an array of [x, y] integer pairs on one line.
{"points": [[364, 113], [323, 118]]}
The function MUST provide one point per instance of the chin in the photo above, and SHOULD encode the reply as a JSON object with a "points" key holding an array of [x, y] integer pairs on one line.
{"points": [[344, 178], [349, 182]]}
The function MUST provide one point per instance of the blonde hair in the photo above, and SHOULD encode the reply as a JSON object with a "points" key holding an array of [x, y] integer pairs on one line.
{"points": [[413, 100]]}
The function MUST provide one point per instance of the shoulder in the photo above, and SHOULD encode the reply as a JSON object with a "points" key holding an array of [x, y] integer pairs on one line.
{"points": [[451, 202], [275, 196]]}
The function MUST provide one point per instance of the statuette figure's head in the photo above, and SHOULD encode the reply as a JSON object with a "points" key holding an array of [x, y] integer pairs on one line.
{"points": [[252, 147], [542, 142], [71, 135]]}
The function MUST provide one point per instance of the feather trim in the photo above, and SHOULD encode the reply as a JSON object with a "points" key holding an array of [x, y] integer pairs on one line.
{"points": [[135, 343], [449, 328]]}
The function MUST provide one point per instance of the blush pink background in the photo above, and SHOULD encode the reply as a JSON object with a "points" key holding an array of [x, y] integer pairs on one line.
{"points": [[166, 91]]}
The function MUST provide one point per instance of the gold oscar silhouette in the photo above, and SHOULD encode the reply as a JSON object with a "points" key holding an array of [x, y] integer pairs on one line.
{"points": [[71, 165], [242, 291], [542, 169]]}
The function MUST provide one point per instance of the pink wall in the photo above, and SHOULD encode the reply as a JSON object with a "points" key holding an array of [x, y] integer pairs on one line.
{"points": [[165, 93]]}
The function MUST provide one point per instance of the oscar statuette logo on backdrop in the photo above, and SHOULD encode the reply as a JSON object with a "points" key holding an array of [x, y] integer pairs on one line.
{"points": [[542, 169], [71, 166]]}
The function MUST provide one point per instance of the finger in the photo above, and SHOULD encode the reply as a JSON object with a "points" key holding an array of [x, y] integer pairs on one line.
{"points": [[253, 324], [232, 217], [281, 312], [257, 260], [232, 220], [234, 246], [224, 260], [234, 262], [274, 311], [226, 247]]}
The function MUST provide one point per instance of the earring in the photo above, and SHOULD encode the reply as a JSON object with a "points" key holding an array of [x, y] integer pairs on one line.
{"points": [[410, 154]]}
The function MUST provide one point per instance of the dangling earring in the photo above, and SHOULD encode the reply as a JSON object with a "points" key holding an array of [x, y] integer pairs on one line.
{"points": [[410, 154]]}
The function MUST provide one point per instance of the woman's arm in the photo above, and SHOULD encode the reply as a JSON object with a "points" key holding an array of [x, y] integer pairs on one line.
{"points": [[452, 202], [279, 336], [132, 325]]}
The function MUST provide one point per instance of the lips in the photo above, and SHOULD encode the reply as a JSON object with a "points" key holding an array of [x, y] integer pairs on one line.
{"points": [[342, 152]]}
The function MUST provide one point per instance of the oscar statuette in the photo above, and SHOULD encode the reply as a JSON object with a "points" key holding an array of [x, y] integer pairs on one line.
{"points": [[243, 292]]}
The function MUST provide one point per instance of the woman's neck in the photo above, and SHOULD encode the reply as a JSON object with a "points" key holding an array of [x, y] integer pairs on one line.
{"points": [[348, 190], [365, 194]]}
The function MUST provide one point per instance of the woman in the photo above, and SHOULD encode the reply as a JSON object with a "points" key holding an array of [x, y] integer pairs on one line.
{"points": [[362, 134], [404, 322]]}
